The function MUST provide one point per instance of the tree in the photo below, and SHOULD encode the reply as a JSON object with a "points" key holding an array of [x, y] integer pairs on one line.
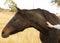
{"points": [[12, 5], [57, 2]]}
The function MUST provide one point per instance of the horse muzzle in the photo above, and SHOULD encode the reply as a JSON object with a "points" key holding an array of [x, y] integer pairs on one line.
{"points": [[5, 35]]}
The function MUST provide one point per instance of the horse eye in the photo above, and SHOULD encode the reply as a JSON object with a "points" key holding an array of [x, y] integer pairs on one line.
{"points": [[17, 20]]}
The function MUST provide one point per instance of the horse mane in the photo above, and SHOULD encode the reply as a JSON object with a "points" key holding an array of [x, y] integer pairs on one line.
{"points": [[52, 18]]}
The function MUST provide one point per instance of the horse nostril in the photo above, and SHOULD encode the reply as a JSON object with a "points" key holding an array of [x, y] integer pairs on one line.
{"points": [[3, 32], [4, 35]]}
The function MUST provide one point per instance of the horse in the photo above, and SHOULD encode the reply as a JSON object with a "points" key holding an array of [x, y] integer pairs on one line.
{"points": [[34, 18]]}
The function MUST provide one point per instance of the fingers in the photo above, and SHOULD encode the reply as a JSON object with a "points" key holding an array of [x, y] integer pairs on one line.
{"points": [[49, 24]]}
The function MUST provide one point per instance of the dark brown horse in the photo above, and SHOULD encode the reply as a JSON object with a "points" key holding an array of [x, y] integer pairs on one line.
{"points": [[34, 18]]}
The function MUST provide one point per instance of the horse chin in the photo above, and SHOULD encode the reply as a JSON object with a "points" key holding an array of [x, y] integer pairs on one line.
{"points": [[5, 35]]}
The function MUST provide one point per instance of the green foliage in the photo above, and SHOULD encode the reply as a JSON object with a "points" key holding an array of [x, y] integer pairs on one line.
{"points": [[56, 1], [12, 5]]}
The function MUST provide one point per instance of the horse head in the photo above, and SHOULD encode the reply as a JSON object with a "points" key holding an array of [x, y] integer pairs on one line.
{"points": [[16, 24]]}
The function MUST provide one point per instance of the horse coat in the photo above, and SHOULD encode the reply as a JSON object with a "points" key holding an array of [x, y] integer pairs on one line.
{"points": [[34, 18]]}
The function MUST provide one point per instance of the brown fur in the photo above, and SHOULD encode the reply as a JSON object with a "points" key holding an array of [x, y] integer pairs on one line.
{"points": [[34, 18]]}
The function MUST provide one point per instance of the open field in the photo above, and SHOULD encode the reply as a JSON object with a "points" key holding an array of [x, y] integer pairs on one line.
{"points": [[29, 35]]}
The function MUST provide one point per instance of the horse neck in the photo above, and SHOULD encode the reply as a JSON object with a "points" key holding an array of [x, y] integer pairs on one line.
{"points": [[36, 20], [40, 28]]}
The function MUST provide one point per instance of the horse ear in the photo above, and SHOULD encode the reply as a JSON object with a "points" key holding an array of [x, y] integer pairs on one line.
{"points": [[18, 9]]}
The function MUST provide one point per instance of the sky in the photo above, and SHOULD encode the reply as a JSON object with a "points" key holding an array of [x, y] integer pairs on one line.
{"points": [[33, 4]]}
